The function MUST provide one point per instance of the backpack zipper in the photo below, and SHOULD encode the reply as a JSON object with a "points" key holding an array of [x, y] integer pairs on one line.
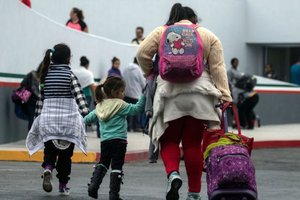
{"points": [[230, 155]]}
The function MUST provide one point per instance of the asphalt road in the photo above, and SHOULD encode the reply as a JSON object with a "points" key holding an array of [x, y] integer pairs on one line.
{"points": [[277, 170]]}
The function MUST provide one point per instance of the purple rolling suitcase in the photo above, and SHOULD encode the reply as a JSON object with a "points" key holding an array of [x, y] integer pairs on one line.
{"points": [[230, 174]]}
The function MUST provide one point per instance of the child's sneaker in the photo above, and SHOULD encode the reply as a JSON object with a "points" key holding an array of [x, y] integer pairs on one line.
{"points": [[63, 189], [174, 184], [193, 196], [47, 180]]}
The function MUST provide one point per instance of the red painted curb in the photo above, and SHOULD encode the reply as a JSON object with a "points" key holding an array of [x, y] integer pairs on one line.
{"points": [[9, 84], [276, 144], [276, 92]]}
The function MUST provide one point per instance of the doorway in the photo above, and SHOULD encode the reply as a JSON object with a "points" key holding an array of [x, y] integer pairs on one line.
{"points": [[281, 59]]}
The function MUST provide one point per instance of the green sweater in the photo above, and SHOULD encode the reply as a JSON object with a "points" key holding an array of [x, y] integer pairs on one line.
{"points": [[111, 114]]}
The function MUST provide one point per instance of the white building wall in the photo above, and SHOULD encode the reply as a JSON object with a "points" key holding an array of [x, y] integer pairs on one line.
{"points": [[117, 19], [26, 34], [273, 21]]}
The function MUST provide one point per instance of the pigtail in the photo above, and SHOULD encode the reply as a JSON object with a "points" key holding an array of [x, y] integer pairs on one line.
{"points": [[45, 65], [99, 93]]}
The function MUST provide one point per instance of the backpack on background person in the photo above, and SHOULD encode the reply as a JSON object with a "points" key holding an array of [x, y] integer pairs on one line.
{"points": [[181, 54], [21, 95]]}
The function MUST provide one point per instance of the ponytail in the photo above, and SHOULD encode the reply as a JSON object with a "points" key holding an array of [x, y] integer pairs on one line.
{"points": [[176, 14], [105, 90], [99, 93], [60, 54], [45, 65]]}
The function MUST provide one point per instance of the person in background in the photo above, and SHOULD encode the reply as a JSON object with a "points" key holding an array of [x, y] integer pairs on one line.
{"points": [[58, 125], [31, 83], [86, 79], [76, 20], [233, 76], [269, 72], [139, 32], [295, 72], [247, 100], [114, 70], [135, 83], [181, 111]]}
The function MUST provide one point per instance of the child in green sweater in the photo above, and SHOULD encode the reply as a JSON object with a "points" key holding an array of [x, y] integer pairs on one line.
{"points": [[111, 112]]}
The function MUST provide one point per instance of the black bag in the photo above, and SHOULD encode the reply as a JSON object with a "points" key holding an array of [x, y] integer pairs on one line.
{"points": [[20, 112], [247, 82]]}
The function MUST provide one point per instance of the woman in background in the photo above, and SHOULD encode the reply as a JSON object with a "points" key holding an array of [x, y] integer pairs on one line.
{"points": [[76, 20]]}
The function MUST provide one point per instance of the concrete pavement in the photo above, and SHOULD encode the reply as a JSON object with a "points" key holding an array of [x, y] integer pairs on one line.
{"points": [[277, 173], [272, 136]]}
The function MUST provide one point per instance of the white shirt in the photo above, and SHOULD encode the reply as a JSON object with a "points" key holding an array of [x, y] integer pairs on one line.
{"points": [[135, 81], [85, 77]]}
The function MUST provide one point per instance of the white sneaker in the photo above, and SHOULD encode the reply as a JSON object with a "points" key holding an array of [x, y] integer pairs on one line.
{"points": [[47, 180], [174, 184], [193, 196], [64, 190]]}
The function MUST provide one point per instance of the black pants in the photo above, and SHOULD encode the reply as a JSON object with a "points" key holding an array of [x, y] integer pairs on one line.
{"points": [[59, 159], [113, 153], [133, 121], [246, 113], [30, 110]]}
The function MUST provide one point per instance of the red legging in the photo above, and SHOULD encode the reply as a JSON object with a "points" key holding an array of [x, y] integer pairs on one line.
{"points": [[187, 130]]}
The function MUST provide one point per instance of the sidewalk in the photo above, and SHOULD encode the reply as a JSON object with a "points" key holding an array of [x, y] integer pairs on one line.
{"points": [[272, 136]]}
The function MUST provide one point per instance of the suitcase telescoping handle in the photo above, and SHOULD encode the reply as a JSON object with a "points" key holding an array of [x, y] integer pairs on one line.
{"points": [[224, 123]]}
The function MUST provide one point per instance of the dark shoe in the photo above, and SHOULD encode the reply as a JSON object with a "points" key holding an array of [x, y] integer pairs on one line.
{"points": [[47, 180], [152, 161], [63, 189], [174, 184], [96, 180], [115, 185]]}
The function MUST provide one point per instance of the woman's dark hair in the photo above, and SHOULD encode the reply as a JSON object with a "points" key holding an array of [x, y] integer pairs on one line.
{"points": [[178, 13], [115, 59], [60, 54], [84, 61], [79, 13], [190, 15], [233, 60], [111, 84]]}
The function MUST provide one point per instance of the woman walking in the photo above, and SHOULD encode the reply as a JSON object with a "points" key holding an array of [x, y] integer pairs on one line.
{"points": [[58, 125], [183, 109]]}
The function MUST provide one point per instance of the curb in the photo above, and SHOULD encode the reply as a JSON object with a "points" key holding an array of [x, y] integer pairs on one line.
{"points": [[78, 156], [93, 157], [276, 144]]}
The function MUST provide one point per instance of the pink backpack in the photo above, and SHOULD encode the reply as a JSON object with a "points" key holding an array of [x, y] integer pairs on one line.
{"points": [[181, 54]]}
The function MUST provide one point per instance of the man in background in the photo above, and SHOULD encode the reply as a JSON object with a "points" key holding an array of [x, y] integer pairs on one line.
{"points": [[135, 83], [139, 32]]}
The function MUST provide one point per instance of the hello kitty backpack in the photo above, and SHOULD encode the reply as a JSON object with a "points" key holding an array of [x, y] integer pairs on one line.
{"points": [[181, 54]]}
